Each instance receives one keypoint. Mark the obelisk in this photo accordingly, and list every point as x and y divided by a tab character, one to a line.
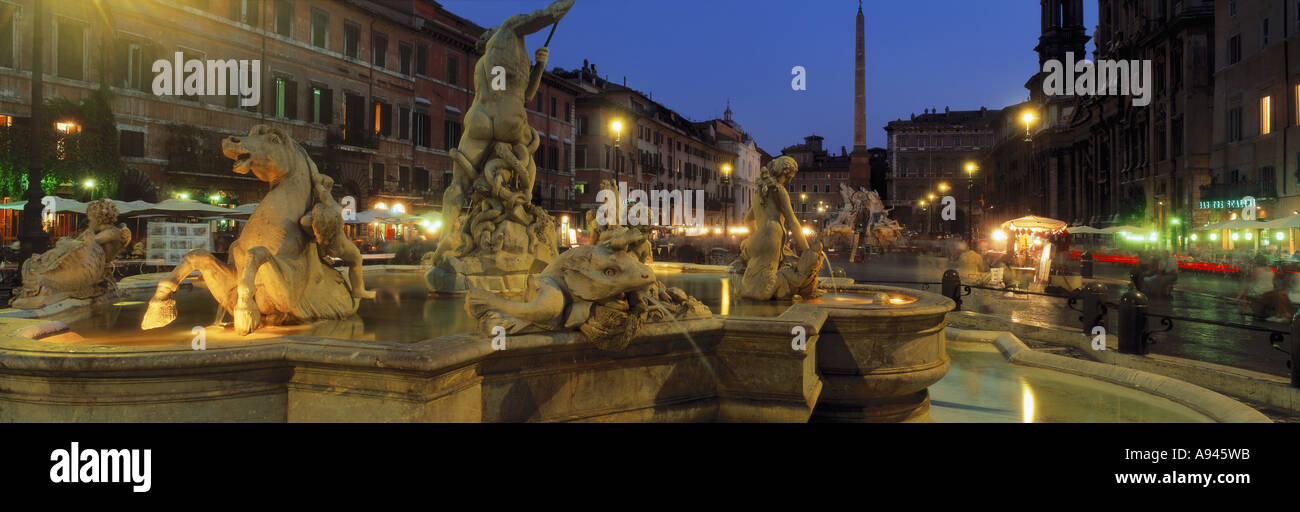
860	160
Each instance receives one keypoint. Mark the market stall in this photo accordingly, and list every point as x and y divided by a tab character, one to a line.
1030	246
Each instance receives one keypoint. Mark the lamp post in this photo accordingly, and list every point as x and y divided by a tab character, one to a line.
925	212
33	238
617	126
726	197
929	224
1028	117
970	193
803	203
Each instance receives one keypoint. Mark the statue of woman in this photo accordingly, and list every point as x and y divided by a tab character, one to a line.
771	269
77	267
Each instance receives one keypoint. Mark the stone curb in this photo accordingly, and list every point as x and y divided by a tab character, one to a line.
1218	407
1258	388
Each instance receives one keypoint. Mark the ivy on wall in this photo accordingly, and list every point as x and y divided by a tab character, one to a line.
68	159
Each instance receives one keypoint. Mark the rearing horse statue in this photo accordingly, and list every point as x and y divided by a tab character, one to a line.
275	273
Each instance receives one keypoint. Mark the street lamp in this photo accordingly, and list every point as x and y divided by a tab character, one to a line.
617	126
803	202
971	167
1028	118
89	184
726	194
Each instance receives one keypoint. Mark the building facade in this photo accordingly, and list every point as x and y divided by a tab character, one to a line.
1256	144
928	155
375	91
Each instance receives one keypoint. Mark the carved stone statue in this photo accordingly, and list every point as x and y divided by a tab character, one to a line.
77	267
503	237
771	269
604	290
276	273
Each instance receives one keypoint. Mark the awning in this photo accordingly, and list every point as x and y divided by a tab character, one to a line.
1083	230
1032	222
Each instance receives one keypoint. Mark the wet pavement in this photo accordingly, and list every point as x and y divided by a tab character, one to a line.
1198	296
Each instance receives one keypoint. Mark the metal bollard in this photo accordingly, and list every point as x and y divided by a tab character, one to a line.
1085	265
1133	323
1295	352
952	287
1094	309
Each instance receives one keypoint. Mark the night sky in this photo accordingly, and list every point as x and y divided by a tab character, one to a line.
694	55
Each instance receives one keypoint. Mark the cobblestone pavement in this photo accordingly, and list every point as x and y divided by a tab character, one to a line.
1207	297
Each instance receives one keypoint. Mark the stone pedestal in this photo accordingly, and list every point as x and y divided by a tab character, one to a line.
876	362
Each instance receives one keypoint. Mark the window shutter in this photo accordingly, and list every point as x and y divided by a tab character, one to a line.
404	123
327	106
290	99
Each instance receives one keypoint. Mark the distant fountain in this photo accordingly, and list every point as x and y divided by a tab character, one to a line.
863	207
770	268
77	267
503	238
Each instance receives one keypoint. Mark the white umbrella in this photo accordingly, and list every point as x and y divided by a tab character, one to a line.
1083	230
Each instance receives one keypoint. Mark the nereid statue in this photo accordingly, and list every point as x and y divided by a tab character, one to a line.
77	267
771	268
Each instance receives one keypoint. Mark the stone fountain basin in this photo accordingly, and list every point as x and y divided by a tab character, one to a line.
732	368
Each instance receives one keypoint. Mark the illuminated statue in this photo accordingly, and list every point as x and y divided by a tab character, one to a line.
76	267
503	237
771	269
277	273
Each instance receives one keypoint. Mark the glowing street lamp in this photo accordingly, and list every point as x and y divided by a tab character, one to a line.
1028	118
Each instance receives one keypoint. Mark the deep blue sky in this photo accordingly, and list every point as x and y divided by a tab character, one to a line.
694	55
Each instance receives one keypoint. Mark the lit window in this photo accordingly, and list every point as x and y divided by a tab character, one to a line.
6	121
1266	115
67	127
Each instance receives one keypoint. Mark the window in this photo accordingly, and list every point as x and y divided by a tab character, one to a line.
286	98
377	176
420	180
403	123
403	178
383	120
422	60
320	28
379	49
451	133
322	105
70	36
284	18
568	115
1234	49
354	116
453	70
582	126
1234	124
131	143
421	127
580	157
404	58
129	64
351	40
1232	7
554	111
244	11
8	35
1266	115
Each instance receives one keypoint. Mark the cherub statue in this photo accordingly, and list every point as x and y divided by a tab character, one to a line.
325	223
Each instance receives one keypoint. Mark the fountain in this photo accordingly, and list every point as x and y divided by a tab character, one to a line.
591	334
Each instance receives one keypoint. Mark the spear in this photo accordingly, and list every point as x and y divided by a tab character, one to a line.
548	36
